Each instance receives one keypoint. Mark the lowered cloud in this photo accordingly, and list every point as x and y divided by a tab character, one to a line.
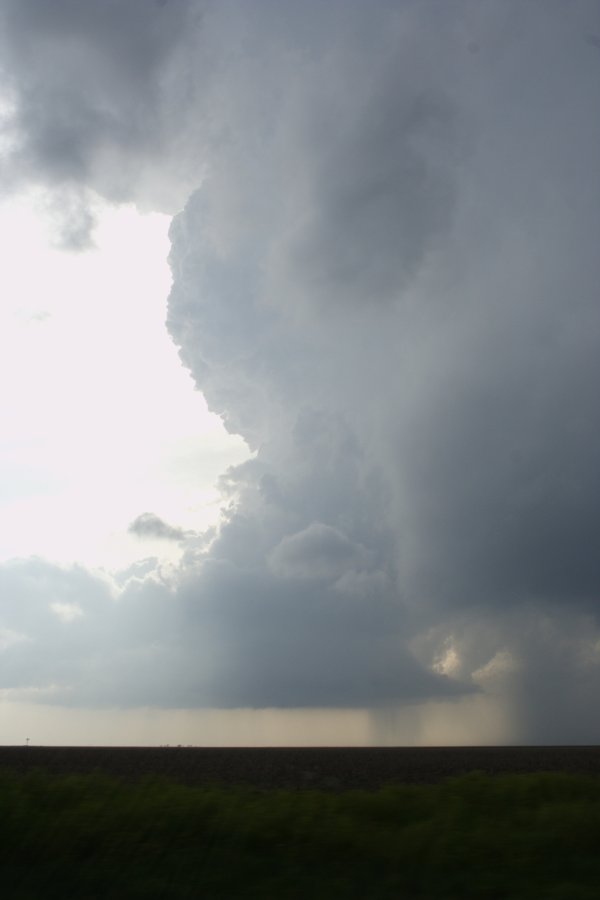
385	279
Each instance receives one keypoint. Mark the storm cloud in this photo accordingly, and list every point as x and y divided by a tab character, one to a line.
385	278
89	100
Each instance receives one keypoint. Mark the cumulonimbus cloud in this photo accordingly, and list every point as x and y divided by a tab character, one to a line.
385	278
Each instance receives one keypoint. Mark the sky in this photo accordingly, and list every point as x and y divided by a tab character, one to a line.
300	346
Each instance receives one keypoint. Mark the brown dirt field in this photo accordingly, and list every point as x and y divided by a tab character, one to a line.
334	768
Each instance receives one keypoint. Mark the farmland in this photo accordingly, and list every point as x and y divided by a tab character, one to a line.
225	823
288	767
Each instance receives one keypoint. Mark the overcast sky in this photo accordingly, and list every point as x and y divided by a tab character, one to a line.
364	235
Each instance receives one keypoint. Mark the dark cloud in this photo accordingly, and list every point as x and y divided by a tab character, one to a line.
318	552
149	525
375	190
176	640
385	279
55	622
91	97
410	337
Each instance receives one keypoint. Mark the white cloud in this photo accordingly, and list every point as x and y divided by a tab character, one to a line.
8	637
67	612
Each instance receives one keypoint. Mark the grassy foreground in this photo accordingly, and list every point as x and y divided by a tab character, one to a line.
517	837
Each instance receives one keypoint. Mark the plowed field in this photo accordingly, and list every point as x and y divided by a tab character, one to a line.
335	768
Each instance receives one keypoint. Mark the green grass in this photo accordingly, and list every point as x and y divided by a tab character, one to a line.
517	837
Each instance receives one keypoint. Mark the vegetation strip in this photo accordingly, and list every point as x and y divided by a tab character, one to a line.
515	836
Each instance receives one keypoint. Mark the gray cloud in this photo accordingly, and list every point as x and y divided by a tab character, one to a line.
149	525
410	336
93	101
385	279
375	190
318	552
57	620
71	213
74	638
